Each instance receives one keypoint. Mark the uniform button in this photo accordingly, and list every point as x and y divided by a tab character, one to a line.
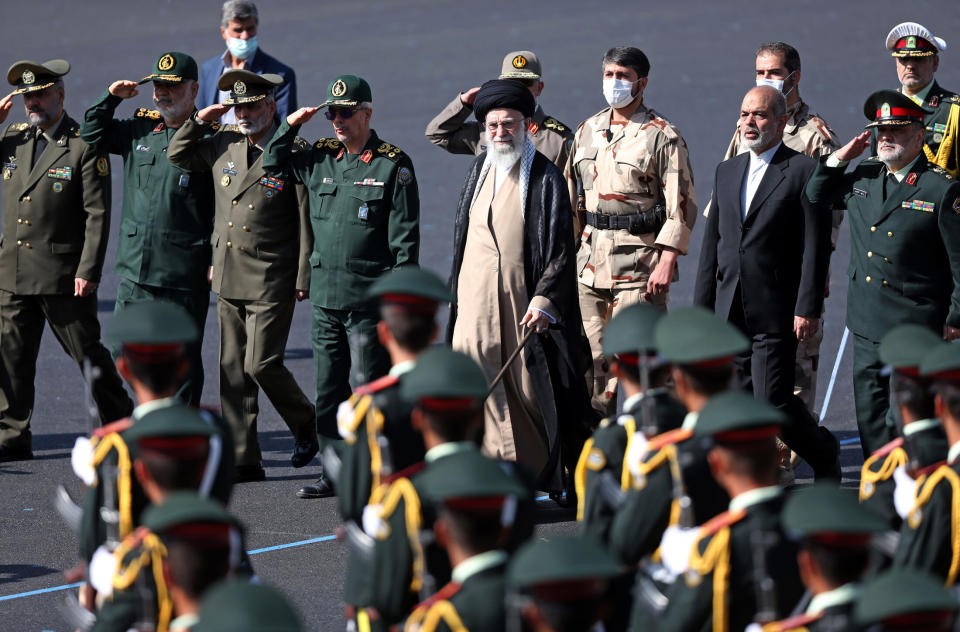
886	260
243	249
885	282
889	234
26	198
19	220
250	207
873	229
869	254
867	279
26	222
229	224
235	202
27	245
19	243
246	230
229	244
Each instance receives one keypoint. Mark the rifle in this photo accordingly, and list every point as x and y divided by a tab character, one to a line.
108	508
764	585
679	493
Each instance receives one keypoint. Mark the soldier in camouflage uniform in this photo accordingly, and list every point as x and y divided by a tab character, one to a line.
631	183
450	129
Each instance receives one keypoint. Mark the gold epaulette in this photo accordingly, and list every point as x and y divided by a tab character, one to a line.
955	98
428	620
145	113
926	484
715	559
19	127
392	152
389	497
114	441
229	127
328	144
893	456
300	143
151	551
793	624
552	123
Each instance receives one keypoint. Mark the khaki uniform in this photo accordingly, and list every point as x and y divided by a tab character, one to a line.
55	222
810	135
261	253
623	170
451	131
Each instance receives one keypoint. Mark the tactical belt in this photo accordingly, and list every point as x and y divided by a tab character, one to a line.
650	221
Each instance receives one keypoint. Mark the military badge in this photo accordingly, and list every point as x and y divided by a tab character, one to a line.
519	61
341	153
912	178
269	193
272	183
956	205
60	173
239	88
534	128
596	459
339	88
143	148
57	187
363	212
937	138
328	180
231	165
911	42
158	128
404	176
859	192
885	110
934	100
7	174
103	166
166	62
184	181
225	181
919	205
366	156
27	77
229	170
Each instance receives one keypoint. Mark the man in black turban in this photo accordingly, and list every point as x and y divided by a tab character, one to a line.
513	270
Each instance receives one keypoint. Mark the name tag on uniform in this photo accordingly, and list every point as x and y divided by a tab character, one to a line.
328	180
918	205
60	173
859	192
230	172
143	148
184	180
8	169
272	183
363	212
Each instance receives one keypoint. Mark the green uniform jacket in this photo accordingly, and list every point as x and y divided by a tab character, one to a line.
904	262
261	244
167	214
606	454
56	216
478	603
364	211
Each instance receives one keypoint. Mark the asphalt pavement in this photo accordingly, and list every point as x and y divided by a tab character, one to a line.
417	55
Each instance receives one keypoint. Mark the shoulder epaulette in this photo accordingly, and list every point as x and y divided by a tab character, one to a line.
552	123
429	619
377	385
887	449
229	127
117	426
793	623
392	152
940	171
930	469
300	143
328	144
668	438
451	589
955	98
19	127
145	113
726	519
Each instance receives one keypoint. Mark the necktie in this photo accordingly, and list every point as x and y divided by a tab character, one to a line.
889	181
253	152
39	146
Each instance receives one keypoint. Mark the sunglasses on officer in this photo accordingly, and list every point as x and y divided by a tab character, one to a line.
345	113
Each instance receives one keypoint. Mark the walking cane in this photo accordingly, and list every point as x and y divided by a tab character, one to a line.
513	356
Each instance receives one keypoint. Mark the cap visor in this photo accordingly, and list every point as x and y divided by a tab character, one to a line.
894	123
343	103
519	74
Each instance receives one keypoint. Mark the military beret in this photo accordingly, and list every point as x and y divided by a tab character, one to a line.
905	346
631	330
152	323
29	76
247	87
909	39
348	91
187	508
830	514
504	93
520	64
905	595
241	606
738	417
445	378
173	67
942	362
697	336
562	568
412	287
889	107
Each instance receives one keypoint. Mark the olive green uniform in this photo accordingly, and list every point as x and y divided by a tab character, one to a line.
55	223
364	219
260	251
163	250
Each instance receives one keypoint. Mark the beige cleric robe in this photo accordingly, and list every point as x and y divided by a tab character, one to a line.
491	302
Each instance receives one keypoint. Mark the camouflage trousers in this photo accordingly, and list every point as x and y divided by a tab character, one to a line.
597	307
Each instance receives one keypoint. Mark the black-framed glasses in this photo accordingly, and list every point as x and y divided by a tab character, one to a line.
345	113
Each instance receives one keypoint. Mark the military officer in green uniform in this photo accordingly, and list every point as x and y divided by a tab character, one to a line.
834	533
260	262
930	535
365	221
56	216
739	567
921	441
163	251
905	246
241	606
452	131
917	53
903	600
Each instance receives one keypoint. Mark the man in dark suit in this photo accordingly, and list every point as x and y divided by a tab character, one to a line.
239	21
763	266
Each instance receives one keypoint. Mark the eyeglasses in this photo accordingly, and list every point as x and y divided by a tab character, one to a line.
507	124
345	113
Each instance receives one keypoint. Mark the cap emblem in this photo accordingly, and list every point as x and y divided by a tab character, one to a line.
519	61
28	77
339	88
885	110
912	42
166	62
239	88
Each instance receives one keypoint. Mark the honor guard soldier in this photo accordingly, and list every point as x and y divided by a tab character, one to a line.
163	251
560	583
921	441
364	221
905	246
631	185
930	535
450	129
474	515
649	408
56	202
834	533
917	52
739	567
905	601
240	606
260	263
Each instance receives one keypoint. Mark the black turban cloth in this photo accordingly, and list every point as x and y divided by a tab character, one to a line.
504	93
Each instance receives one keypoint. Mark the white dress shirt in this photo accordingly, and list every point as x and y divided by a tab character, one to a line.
755	170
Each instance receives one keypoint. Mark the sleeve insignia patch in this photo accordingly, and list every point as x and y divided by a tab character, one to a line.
956	206
103	166
404	176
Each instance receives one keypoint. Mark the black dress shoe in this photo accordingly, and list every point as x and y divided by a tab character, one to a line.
321	489
11	453
303	452
248	474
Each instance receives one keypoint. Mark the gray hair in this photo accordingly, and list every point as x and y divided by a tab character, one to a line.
238	10
365	105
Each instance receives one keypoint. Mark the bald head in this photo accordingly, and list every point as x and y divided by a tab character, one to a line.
763	117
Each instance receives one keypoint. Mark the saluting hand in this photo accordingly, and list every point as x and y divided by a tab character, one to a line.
213	112
124	89
468	97
854	148
5	104
301	116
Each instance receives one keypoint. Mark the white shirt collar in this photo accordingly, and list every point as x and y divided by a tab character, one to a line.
446	449
152	405
919	426
764	157
754	497
902	172
954	453
476	564
838	596
690	420
400	368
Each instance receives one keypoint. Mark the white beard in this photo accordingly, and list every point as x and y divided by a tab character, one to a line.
504	156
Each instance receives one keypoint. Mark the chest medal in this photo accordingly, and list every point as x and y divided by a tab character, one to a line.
363	212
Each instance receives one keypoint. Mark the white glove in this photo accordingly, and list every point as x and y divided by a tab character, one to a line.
103	568
675	548
81	458
373	523
905	494
345	421
636	453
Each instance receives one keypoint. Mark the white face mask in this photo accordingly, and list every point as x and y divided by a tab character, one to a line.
240	48
618	92
777	84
